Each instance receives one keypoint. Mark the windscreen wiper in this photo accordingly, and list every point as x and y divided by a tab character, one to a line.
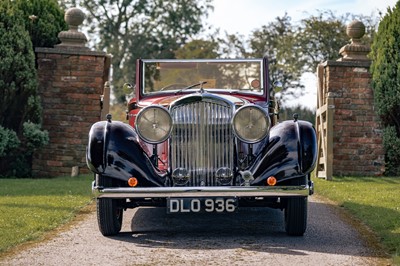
201	83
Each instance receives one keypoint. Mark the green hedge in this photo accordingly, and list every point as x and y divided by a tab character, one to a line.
385	69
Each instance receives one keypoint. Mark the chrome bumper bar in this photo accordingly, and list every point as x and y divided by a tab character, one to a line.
165	192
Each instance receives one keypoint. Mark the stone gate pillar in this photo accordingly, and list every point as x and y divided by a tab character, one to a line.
350	137
71	86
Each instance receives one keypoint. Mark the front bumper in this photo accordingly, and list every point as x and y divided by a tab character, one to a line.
165	192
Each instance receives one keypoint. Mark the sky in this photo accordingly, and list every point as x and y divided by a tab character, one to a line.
245	16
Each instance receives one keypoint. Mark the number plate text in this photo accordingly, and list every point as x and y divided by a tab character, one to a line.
182	205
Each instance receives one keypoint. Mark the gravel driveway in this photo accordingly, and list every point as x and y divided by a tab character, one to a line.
249	237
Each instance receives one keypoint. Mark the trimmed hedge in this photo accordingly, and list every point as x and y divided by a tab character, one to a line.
385	71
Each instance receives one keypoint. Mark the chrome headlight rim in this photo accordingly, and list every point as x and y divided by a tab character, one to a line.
139	124
262	114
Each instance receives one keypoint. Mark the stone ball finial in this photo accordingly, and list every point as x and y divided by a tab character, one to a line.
355	30
73	38
74	16
355	51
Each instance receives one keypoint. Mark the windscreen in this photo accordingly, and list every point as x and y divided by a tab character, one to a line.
179	75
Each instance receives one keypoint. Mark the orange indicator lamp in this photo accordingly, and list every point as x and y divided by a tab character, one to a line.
133	182
271	181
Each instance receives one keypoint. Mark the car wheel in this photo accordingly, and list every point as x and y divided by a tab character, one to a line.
109	211
296	216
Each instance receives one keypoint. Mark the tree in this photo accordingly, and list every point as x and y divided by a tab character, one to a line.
20	109
65	4
286	113
321	38
198	49
277	41
385	69
142	29
296	49
43	19
18	83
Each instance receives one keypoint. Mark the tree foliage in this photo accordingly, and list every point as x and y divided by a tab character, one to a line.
303	113
8	141
142	29
320	38
385	70
18	83
294	49
43	19
20	108
198	49
277	41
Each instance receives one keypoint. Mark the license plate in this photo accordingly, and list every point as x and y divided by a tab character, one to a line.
187	205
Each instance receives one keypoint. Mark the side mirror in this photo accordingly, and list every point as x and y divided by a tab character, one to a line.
129	91
128	88
277	86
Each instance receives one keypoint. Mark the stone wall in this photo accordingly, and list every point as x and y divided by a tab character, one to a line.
357	131
71	85
356	139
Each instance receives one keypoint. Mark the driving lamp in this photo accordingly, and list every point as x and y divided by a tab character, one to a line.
251	123
180	176
154	124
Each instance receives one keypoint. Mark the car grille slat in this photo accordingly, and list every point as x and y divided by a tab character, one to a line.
202	139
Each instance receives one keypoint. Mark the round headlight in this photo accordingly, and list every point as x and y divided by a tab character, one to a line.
154	124
251	123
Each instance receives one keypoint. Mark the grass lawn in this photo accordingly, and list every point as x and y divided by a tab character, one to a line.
373	200
30	207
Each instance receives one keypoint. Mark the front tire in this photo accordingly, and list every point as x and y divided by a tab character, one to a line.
296	216
109	211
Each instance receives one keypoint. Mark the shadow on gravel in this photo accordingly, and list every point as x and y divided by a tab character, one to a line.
257	229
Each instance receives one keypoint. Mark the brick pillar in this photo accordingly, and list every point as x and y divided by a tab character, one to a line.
71	83
357	131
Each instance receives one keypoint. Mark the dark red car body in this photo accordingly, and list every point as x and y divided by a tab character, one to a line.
211	144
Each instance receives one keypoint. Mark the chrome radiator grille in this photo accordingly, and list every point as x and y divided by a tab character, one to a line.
202	139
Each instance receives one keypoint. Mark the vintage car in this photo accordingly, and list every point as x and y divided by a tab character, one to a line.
202	137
